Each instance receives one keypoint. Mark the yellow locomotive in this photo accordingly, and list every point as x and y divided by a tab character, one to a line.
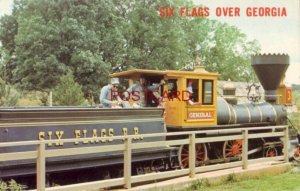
210	111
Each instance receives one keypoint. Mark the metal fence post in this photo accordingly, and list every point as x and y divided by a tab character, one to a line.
127	163
40	167
245	149
192	154
286	144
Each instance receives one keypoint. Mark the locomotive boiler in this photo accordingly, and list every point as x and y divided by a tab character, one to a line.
210	112
270	70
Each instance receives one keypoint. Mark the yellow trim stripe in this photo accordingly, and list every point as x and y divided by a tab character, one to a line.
72	111
41	118
79	122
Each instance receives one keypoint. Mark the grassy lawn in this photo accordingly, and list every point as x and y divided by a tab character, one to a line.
283	182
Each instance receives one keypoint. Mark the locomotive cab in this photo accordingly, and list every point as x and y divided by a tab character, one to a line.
189	97
151	76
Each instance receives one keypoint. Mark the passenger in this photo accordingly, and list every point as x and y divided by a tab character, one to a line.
109	97
140	89
191	92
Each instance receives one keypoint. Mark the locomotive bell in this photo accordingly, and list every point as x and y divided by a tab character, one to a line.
270	69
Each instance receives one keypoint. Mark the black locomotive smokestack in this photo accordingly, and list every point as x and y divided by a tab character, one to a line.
270	70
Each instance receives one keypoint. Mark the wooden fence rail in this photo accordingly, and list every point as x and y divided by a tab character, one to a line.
42	153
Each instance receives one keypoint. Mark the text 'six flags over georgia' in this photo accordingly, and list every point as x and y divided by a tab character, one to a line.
223	12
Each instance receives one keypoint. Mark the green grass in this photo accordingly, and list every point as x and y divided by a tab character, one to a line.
283	182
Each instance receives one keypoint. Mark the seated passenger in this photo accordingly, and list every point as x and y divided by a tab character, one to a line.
139	90
191	92
109	97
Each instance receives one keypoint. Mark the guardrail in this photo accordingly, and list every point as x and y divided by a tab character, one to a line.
127	180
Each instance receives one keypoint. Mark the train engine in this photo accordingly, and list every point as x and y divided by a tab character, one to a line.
191	103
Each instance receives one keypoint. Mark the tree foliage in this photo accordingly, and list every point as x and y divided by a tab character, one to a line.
68	92
92	38
228	52
150	41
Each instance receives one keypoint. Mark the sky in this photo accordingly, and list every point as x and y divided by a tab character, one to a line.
5	7
275	34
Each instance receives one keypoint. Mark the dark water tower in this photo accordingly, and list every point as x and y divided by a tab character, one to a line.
270	69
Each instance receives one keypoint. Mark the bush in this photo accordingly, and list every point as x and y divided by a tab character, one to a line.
199	184
32	98
296	99
294	114
68	92
8	95
11	186
294	119
231	178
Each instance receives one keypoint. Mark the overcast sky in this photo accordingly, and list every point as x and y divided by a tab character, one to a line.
5	7
275	34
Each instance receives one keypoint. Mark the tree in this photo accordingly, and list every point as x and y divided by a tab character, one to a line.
151	41
65	35
9	28
46	39
68	92
8	31
154	42
229	52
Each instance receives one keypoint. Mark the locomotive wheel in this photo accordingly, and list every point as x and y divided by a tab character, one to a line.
200	156
296	154
271	152
232	148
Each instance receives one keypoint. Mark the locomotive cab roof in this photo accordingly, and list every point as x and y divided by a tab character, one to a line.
136	73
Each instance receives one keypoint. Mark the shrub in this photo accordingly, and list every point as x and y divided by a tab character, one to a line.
12	185
68	92
8	95
231	178
199	184
32	98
